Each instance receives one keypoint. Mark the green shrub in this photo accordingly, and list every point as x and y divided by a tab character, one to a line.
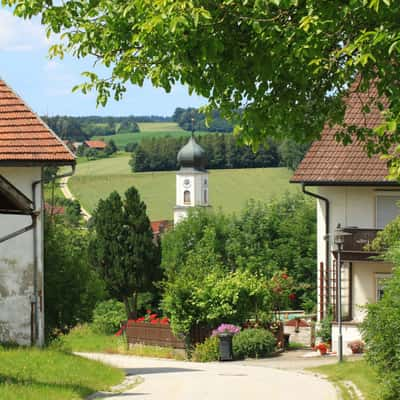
380	333
325	328
207	351
108	315
253	343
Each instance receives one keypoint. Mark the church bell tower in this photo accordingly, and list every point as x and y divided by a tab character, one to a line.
191	179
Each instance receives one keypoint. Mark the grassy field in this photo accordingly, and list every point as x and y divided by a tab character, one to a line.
82	338
33	374
358	372
229	189
147	130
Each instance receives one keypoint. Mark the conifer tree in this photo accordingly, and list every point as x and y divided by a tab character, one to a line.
122	248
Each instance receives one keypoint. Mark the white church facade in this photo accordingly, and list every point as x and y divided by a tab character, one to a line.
191	180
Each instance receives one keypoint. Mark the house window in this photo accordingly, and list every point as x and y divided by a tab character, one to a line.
387	209
205	197
381	282
186	197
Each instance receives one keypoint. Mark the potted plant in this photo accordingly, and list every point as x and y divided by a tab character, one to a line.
356	346
322	347
225	333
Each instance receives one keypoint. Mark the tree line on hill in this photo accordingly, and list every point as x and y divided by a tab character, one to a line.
223	152
83	128
192	118
79	129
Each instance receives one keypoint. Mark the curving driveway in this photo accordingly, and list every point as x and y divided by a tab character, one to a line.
178	380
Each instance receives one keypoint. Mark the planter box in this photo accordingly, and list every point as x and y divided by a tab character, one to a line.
161	335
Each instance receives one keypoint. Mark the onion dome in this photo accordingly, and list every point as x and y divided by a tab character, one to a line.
192	155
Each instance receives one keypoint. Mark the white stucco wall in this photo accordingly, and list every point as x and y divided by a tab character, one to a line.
364	285
17	261
351	207
196	183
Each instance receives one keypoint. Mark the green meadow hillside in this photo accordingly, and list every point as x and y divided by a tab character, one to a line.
148	130
229	189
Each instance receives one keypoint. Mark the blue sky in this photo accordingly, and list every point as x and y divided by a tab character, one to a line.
46	84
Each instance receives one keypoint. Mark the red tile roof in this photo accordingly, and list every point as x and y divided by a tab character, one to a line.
328	162
161	226
96	144
24	137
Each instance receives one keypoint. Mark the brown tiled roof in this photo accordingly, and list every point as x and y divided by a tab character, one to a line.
96	144
24	137
328	162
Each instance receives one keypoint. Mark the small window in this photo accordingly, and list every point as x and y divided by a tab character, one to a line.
386	210
205	197
381	282
186	197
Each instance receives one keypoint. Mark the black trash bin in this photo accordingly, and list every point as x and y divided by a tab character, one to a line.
225	347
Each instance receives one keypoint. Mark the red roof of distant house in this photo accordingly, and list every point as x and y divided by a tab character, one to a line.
24	137
54	210
160	226
328	162
96	144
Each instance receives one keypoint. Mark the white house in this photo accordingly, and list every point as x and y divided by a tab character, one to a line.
351	190
191	180
27	145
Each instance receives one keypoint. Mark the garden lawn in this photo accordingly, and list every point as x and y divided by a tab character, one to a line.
83	339
230	189
33	374
148	130
358	372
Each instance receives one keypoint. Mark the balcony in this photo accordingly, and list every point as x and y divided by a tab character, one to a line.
355	244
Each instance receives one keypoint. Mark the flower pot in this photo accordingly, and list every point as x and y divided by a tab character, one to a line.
225	347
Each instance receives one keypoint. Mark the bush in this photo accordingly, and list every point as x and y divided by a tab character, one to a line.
207	351
108	315
380	333
325	328
253	343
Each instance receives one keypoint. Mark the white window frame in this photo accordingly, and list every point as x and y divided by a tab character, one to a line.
382	193
380	276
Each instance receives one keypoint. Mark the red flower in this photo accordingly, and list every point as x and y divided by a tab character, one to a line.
155	321
141	319
285	276
164	321
292	296
153	316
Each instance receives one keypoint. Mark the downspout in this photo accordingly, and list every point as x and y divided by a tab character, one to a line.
327	230
34	301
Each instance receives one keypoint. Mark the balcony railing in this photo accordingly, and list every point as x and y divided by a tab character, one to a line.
359	239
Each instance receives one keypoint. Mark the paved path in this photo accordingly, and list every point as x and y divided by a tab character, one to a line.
68	195
297	360
178	380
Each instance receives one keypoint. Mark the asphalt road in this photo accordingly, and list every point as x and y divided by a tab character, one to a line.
177	380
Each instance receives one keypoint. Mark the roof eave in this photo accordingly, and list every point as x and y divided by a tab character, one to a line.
346	183
36	163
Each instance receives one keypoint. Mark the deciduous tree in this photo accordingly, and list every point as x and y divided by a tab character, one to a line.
286	63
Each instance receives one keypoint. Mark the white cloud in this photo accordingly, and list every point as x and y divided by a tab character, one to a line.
19	35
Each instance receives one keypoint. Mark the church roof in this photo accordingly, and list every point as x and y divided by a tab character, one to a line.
192	155
328	162
24	137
